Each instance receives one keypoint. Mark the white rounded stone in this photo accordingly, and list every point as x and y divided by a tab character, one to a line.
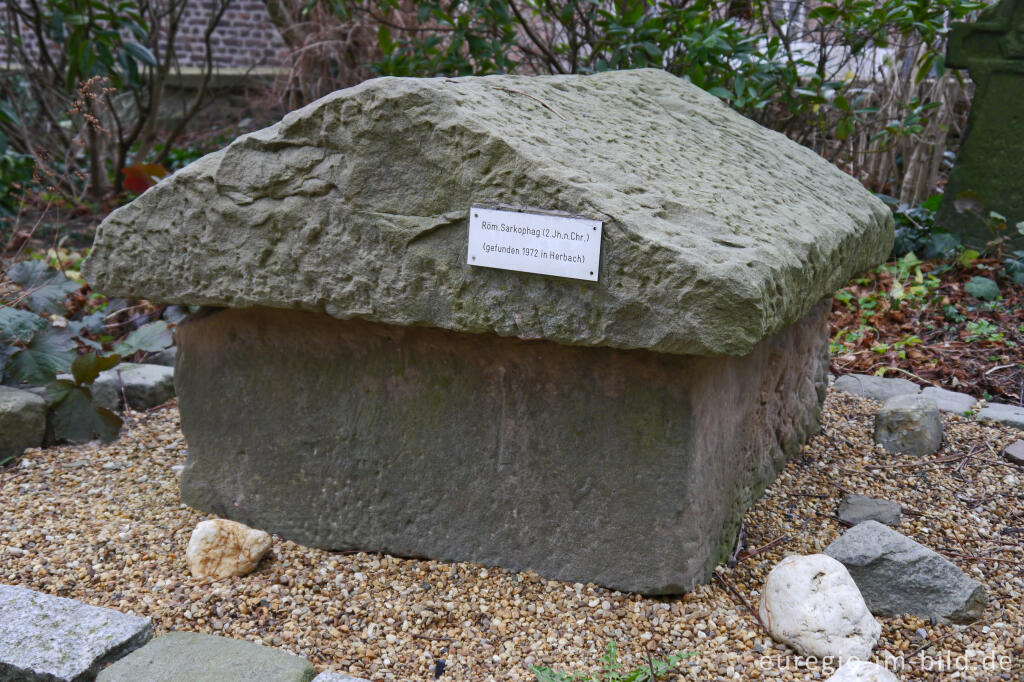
812	604
221	549
862	671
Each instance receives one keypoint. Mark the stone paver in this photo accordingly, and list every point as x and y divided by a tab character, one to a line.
876	388
191	657
950	401
856	509
1014	452
1011	415
51	639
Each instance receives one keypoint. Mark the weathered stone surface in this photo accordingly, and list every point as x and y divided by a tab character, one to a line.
190	657
1014	452
1010	415
812	604
899	576
22	421
876	388
145	386
424	442
337	677
854	509
909	425
990	161
862	671
164	357
949	401
51	639
721	234
220	549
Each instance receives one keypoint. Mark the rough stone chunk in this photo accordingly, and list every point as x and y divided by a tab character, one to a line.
51	639
854	509
876	388
949	401
812	604
1010	415
862	671
221	549
337	677
1014	452
909	425
145	386
899	576
22	421
190	657
339	209
164	357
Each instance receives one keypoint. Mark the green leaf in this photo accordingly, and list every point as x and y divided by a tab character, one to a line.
46	288
8	114
387	46
19	325
50	353
968	257
152	338
87	367
76	419
982	288
141	53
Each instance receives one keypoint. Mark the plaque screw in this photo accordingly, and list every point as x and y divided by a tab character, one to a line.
477	215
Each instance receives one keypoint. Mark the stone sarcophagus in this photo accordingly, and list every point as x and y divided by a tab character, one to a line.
378	367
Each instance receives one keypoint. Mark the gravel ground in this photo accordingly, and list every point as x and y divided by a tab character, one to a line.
103	524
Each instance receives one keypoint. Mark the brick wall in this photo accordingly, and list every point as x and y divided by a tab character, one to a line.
244	38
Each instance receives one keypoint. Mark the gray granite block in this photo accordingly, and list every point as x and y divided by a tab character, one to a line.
897	576
49	639
145	386
22	421
191	657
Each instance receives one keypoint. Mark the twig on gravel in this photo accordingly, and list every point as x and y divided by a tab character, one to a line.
970	557
933	642
432	638
732	590
754	552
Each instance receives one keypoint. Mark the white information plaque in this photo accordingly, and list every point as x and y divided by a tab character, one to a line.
534	242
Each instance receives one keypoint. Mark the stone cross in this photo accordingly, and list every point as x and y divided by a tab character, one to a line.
990	163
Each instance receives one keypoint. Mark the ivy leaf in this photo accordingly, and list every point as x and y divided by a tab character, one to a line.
45	287
75	418
48	354
87	367
152	338
19	325
982	288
